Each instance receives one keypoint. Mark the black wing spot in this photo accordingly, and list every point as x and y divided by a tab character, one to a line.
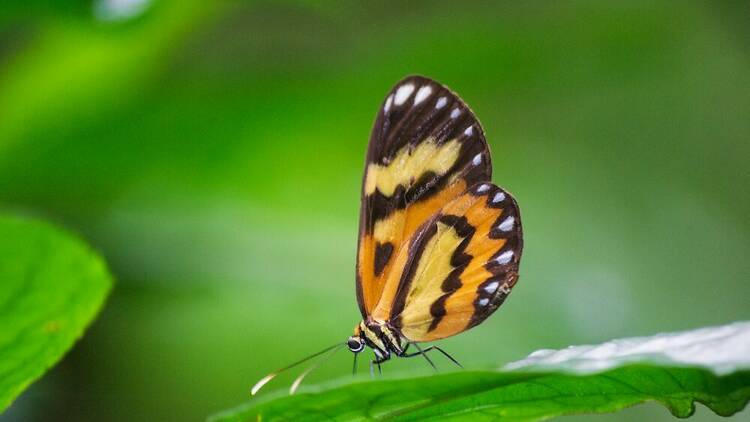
383	253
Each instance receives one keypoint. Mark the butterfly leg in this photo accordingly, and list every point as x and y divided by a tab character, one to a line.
444	354
421	352
424	353
373	363
377	361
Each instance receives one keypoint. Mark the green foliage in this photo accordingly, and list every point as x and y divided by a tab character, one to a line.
51	287
575	380
511	395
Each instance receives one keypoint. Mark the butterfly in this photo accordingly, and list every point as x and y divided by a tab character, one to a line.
439	244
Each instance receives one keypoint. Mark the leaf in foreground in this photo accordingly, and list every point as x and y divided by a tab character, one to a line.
709	366
51	287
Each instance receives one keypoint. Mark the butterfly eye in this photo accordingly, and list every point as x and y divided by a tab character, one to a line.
355	344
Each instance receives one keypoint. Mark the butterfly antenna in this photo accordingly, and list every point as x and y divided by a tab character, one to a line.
302	376
354	368
263	381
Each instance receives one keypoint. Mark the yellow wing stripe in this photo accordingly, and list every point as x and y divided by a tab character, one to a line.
410	163
426	287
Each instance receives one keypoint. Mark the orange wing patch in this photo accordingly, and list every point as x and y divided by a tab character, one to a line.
376	250
460	267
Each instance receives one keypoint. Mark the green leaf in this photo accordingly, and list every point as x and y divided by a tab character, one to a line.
710	366
51	287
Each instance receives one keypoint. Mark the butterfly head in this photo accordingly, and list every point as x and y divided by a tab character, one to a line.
356	344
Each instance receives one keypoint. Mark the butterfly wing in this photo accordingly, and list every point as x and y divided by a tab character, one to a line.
460	266
425	149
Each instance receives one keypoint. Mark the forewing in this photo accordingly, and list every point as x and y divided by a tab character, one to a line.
460	266
425	149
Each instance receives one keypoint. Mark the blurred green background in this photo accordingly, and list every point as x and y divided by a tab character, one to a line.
213	153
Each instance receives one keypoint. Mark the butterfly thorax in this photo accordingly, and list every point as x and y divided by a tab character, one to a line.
380	337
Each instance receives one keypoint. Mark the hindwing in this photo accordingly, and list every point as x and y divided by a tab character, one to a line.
459	267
